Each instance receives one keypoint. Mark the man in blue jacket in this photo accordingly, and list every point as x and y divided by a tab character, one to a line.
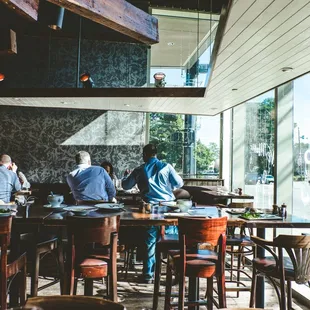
90	182
9	182
156	181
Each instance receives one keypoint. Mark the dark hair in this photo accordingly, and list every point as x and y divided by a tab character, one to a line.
150	150
107	163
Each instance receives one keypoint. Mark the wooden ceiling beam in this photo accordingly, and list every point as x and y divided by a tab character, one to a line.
26	8
118	15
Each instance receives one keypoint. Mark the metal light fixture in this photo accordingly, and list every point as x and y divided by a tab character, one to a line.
2	77
287	69
50	14
160	79
87	81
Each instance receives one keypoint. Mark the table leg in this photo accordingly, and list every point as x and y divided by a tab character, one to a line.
260	286
193	291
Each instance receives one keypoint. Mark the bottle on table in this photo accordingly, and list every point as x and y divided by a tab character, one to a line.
283	210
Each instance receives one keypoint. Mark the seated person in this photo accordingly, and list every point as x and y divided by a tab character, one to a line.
109	169
9	182
90	182
23	180
156	181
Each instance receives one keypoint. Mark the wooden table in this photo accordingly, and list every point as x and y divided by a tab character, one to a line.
132	217
134	196
227	195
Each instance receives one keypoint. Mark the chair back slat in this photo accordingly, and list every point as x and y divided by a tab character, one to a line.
93	230
202	231
298	249
5	229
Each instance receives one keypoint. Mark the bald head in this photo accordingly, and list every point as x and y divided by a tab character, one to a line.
82	157
5	160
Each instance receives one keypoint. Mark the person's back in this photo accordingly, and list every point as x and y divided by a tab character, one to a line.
9	181
161	181
156	180
90	182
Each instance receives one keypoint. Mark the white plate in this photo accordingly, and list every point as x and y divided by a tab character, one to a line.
110	206
55	209
80	210
5	214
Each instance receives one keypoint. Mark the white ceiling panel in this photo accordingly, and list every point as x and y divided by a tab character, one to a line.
277	36
240	8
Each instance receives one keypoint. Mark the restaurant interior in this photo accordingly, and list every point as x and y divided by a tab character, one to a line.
221	88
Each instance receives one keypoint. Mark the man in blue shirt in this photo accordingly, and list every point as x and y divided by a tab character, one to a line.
156	181
9	181
90	182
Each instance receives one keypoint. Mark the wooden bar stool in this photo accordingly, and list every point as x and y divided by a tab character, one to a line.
238	245
165	243
190	261
11	267
72	303
83	261
37	244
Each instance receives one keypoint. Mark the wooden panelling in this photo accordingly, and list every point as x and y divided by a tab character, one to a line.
118	15
26	8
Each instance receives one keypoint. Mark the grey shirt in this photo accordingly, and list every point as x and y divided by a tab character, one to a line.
9	183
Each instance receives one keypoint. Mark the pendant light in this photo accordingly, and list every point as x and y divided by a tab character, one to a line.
50	14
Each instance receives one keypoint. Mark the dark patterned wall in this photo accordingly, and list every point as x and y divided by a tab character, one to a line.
42	63
43	142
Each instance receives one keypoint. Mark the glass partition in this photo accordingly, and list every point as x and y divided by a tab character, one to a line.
183	53
111	59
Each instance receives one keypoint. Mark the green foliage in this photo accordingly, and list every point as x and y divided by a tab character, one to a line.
260	129
162	127
165	129
205	155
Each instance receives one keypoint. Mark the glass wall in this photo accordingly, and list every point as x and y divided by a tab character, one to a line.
301	147
253	148
174	139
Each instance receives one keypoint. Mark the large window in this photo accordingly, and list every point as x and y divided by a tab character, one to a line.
189	143
301	147
253	148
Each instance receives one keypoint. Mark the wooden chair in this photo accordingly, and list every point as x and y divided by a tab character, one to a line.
85	261
37	244
295	267
192	262
72	303
10	267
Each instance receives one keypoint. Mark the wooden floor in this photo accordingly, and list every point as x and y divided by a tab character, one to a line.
137	296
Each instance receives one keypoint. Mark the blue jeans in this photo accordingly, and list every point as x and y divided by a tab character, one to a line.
151	238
